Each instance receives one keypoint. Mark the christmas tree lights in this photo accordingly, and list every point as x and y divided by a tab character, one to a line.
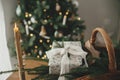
43	21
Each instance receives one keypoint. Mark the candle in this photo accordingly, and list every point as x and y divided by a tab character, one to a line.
64	19
27	30
19	52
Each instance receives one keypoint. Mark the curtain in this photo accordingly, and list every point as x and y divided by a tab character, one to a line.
4	53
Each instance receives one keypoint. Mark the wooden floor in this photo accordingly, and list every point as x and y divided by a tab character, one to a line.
28	64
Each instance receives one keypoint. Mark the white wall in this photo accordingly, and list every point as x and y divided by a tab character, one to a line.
7	11
9	7
4	53
99	13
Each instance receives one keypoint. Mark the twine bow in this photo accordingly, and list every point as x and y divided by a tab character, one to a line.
65	61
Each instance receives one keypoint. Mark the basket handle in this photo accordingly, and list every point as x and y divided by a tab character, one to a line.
109	47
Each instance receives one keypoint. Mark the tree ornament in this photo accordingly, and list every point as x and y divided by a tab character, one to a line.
35	51
26	14
57	7
45	21
33	19
58	34
43	31
24	21
40	52
18	10
31	28
72	17
75	2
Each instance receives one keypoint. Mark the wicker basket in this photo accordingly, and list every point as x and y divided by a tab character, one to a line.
113	73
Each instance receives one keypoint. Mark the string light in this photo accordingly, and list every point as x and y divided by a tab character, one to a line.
31	34
43	58
48	41
45	20
44	10
41	40
50	46
78	18
38	56
60	13
26	14
29	54
67	13
21	40
30	15
36	46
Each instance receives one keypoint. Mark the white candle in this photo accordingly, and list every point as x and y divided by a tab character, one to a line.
64	19
27	30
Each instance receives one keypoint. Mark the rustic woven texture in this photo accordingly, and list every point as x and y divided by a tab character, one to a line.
113	73
109	47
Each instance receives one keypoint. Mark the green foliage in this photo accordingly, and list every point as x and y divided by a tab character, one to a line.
47	77
117	53
100	66
37	13
11	46
76	72
43	72
31	41
39	70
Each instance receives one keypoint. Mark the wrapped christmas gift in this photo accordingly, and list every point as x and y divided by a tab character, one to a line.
63	59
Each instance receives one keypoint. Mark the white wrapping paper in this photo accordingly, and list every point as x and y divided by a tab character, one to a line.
74	49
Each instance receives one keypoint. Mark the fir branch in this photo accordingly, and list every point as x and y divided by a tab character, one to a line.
34	58
76	72
2	72
39	70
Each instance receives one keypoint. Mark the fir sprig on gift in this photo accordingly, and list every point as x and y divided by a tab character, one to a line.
100	66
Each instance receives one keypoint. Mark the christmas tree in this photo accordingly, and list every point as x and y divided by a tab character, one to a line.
43	21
